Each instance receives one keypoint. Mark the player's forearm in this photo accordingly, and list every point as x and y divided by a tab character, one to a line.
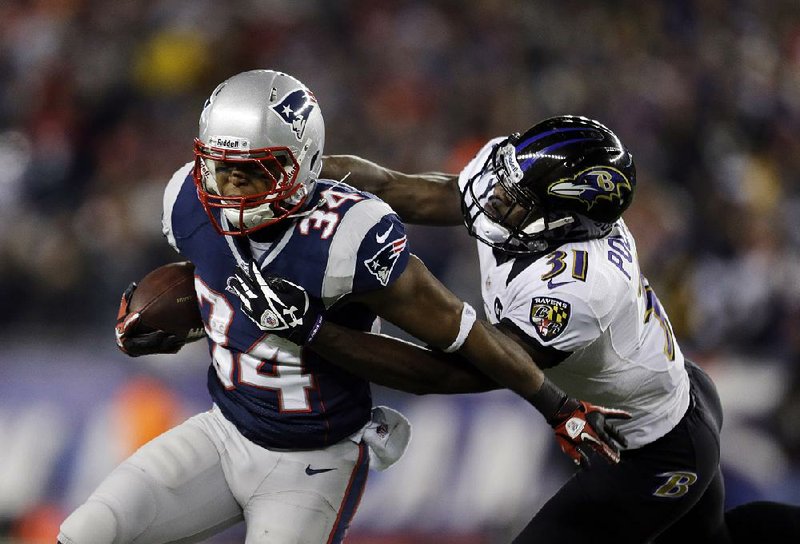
503	360
429	198
397	364
360	173
509	364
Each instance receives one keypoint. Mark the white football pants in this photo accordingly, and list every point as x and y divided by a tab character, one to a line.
203	476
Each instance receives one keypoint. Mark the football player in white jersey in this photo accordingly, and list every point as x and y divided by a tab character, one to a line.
560	276
289	436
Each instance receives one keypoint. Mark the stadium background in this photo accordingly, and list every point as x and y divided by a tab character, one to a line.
99	103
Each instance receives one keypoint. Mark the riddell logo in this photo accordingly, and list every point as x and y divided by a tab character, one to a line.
511	164
230	142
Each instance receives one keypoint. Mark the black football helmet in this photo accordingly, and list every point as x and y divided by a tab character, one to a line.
566	179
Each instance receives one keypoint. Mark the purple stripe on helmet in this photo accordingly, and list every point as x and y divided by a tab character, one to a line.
522	145
528	162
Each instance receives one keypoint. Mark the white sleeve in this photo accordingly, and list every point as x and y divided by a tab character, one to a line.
170	196
558	320
566	317
348	239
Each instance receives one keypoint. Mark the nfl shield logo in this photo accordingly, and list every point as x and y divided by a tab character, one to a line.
549	316
294	109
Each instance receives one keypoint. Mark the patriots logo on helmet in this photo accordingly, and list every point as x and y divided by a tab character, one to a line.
382	263
593	185
549	316
295	108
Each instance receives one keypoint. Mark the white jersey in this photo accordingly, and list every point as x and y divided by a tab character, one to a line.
590	299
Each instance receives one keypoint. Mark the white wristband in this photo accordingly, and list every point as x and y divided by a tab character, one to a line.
467	321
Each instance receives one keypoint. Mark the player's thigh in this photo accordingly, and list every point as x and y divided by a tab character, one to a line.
310	497
173	488
704	522
637	499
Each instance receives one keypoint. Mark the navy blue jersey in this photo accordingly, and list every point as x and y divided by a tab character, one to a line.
276	393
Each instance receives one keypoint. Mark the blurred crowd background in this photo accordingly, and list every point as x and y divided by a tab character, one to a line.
99	103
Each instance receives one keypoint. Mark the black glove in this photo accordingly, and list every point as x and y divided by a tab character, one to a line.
581	426
135	339
276	305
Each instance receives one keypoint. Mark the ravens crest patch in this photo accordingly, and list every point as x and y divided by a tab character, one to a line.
549	316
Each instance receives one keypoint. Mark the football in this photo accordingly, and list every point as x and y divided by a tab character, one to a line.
166	300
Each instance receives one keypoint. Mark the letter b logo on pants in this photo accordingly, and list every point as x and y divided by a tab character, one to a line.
677	484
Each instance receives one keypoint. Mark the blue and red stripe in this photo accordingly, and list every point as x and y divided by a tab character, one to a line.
352	496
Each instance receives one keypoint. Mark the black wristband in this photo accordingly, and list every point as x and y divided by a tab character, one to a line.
549	400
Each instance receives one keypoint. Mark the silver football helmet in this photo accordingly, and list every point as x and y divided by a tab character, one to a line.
266	123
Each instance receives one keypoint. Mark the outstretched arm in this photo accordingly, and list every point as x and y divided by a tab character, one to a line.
430	198
398	364
423	307
418	303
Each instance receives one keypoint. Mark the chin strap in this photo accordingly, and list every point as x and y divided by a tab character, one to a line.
535	227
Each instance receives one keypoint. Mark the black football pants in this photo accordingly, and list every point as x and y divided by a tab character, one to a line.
670	490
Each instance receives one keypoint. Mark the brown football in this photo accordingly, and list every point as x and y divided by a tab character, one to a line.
167	301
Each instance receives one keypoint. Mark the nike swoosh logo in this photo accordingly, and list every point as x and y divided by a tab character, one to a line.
311	471
381	238
552	285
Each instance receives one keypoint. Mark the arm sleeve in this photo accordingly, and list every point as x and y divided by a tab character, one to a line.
171	193
369	251
558	320
382	255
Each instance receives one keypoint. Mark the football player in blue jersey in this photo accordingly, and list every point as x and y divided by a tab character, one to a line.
289	437
560	277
